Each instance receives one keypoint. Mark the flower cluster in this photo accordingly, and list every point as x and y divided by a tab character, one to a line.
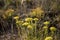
8	13
25	24
48	38
28	22
38	12
28	19
35	19
53	28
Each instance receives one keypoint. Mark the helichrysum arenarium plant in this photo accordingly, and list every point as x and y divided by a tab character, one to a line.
37	12
29	28
8	13
17	24
53	30
49	38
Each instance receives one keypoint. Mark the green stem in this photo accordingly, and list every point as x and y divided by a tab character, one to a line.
52	33
18	31
35	28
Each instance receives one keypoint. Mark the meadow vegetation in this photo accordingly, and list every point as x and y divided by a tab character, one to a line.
29	20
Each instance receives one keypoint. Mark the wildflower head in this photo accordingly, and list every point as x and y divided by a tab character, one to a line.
45	27
35	19
9	12
25	24
53	28
48	38
28	19
38	12
29	26
19	22
16	17
46	22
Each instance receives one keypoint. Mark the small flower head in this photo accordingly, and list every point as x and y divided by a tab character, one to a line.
48	38
47	22
45	27
9	12
25	24
35	19
19	22
29	26
28	19
52	28
38	12
16	17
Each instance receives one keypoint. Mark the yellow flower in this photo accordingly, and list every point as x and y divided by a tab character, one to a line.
47	22
45	27
25	24
53	28
19	22
29	26
38	12
48	38
9	12
28	19
36	19
16	17
33	13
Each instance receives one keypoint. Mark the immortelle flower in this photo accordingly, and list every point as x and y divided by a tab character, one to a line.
35	19
9	12
28	19
45	27
53	28
19	22
38	12
48	38
29	26
16	17
46	22
25	24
